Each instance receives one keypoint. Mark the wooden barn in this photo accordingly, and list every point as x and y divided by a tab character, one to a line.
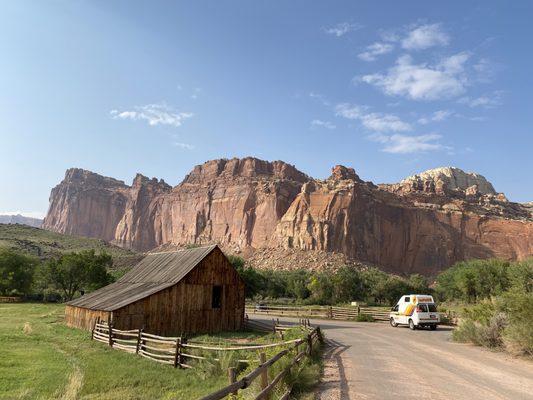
188	291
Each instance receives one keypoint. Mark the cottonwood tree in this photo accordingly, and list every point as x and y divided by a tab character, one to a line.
75	272
16	272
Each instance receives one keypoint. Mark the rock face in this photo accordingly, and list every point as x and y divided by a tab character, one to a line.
423	224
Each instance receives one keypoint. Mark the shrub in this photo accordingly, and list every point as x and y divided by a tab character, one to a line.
365	318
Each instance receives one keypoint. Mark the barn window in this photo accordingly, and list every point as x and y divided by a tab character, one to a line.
216	300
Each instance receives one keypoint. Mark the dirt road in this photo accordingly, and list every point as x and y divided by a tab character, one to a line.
376	361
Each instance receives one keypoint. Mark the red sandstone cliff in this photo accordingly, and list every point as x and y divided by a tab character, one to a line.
423	224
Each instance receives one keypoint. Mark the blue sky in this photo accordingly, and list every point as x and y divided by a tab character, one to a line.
390	88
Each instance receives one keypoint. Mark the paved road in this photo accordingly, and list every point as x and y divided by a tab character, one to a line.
376	361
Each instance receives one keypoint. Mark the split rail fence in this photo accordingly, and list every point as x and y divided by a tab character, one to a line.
327	312
301	347
177	351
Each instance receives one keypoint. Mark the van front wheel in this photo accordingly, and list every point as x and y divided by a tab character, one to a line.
393	323
412	325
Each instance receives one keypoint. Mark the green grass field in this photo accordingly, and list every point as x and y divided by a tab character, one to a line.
44	244
41	358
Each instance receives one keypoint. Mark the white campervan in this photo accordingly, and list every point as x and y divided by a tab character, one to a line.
415	310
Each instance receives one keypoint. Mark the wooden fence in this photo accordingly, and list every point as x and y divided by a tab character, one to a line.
177	350
10	299
302	348
327	312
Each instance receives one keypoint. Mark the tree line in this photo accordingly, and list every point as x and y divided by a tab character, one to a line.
341	286
59	278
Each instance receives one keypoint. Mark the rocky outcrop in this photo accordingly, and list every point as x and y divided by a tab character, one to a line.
371	225
423	224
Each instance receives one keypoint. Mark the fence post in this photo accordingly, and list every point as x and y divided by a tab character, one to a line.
183	341
358	310
232	377
110	331
177	357
309	344
264	374
138	341
94	327
330	311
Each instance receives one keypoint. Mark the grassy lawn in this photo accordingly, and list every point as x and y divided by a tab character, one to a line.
41	358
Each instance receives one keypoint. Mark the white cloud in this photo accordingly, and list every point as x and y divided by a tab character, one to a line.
486	70
185	146
437	116
377	122
154	114
384	123
423	82
425	36
320	98
196	93
350	111
374	50
317	123
405	144
486	101
342	28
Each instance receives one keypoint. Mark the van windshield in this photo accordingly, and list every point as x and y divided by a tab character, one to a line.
422	308
432	308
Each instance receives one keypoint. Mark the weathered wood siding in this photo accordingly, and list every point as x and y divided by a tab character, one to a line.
184	307
78	317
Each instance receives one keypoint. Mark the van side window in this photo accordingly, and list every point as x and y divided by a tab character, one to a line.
407	299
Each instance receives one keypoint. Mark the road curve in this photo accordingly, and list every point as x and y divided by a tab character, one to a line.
376	361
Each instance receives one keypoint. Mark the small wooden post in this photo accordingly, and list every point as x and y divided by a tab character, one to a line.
139	334
319	334
309	344
232	377
183	341
264	373
358	310
110	331
177	357
308	323
281	334
94	327
330	312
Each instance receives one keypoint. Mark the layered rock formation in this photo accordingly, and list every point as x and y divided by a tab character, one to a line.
423	224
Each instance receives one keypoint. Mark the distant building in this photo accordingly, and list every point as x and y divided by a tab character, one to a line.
188	291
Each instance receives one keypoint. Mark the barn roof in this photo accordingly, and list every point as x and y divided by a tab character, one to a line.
155	272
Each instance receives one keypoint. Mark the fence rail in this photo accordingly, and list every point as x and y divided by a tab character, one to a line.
327	312
336	313
262	370
175	350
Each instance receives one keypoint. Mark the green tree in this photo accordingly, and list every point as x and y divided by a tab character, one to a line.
76	272
347	285
16	272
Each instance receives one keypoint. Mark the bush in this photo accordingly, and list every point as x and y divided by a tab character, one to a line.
365	318
505	322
